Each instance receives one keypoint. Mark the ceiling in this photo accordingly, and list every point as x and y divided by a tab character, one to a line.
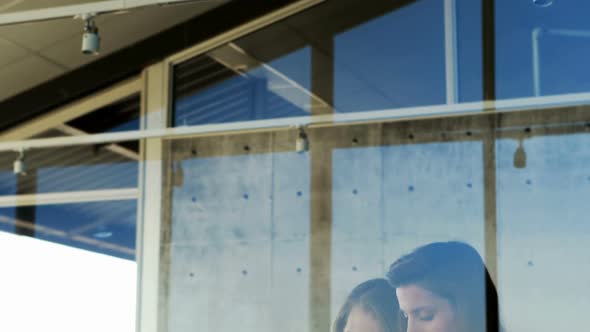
33	53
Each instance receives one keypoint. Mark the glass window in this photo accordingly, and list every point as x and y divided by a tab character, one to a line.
68	218
342	56
255	219
77	168
68	228
541	48
239	232
106	227
542	225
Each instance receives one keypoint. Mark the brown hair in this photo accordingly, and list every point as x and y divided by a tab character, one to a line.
456	272
376	297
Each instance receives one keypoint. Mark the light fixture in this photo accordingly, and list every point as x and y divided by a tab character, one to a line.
90	38
19	167
520	155
102	233
302	142
543	3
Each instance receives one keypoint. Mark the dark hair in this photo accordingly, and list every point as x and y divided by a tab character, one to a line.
376	297
456	272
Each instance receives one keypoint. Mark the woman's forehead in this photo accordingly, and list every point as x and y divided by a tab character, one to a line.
413	297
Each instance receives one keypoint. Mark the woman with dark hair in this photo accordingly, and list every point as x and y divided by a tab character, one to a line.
370	307
445	287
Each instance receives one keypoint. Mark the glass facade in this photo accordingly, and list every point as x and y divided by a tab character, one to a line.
68	227
258	221
245	216
382	166
336	57
540	47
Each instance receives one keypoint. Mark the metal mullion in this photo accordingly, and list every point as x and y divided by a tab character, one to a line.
489	139
155	115
321	215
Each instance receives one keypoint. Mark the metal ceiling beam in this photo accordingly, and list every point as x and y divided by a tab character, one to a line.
97	7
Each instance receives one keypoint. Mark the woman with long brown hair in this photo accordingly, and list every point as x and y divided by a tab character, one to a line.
445	287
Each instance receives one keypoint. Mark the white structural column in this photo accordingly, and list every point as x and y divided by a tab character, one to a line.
536	71
451	68
154	116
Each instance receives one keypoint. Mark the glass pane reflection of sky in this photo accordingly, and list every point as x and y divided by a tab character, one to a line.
543	230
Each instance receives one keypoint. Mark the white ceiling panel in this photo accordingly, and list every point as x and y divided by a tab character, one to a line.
32	53
39	35
9	52
26	73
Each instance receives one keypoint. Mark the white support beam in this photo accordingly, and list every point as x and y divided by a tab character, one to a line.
536	69
155	112
401	114
69	197
451	63
98	7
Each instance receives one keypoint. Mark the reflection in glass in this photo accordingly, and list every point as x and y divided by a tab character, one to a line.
445	287
370	307
244	216
340	56
77	168
543	228
390	199
239	237
404	67
107	227
243	224
541	48
228	84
